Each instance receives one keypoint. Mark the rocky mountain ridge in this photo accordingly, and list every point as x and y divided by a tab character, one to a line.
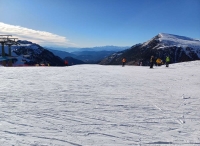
28	53
179	48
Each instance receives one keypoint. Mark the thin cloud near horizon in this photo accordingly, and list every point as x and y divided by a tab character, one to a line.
42	38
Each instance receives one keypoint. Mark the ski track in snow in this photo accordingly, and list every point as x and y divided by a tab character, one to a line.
100	105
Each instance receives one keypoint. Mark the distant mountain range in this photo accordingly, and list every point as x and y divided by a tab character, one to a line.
96	49
178	48
88	55
28	53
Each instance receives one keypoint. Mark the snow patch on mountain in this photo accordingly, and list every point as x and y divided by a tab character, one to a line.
170	40
29	45
165	41
179	41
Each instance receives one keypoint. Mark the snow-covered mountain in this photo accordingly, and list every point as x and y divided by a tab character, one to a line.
179	48
170	40
30	54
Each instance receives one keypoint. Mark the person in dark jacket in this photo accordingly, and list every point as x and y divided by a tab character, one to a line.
123	61
151	61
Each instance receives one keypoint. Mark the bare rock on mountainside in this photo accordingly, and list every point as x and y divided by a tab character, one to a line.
178	48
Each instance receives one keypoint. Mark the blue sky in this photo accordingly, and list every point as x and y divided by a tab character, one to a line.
90	23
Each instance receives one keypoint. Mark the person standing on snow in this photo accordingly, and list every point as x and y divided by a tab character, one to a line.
167	61
66	63
151	61
158	62
123	62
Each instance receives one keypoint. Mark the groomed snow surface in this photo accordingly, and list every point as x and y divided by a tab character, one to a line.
93	105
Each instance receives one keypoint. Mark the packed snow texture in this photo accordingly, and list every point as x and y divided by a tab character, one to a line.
93	105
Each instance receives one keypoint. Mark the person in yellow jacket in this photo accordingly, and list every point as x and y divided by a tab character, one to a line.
159	62
123	62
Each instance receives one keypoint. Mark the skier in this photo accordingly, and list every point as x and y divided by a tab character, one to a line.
123	62
151	61
167	61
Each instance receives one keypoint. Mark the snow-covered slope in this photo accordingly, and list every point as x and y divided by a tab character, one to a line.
94	105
